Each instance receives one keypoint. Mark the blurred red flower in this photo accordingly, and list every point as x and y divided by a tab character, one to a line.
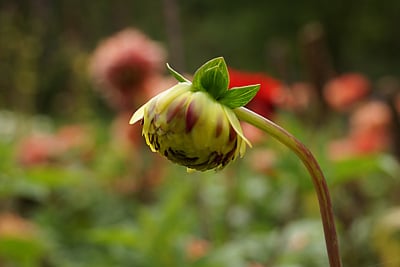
270	90
345	90
122	64
263	103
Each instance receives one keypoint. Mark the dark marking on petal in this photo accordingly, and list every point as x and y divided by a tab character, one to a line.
215	159
219	128
191	117
202	166
156	143
230	155
232	134
218	158
180	156
174	110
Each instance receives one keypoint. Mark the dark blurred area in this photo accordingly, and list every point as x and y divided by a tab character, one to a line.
44	44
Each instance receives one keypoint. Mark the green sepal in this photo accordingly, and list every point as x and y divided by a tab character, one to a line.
239	96
212	77
177	75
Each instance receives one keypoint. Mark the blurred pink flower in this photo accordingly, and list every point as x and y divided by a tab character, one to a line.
122	64
370	131
74	137
297	97
370	126
38	149
125	137
342	92
262	160
42	148
197	248
126	141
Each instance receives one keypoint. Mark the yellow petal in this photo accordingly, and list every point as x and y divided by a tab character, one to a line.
170	95
189	170
235	124
138	115
242	148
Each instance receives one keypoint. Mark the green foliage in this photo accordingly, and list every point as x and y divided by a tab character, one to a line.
242	215
45	48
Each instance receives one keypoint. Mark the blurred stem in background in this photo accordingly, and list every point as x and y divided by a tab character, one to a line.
174	33
315	171
318	64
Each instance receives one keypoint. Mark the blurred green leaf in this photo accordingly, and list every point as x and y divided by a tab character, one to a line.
352	168
21	252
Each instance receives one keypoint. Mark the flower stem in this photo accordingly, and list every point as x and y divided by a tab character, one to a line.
318	179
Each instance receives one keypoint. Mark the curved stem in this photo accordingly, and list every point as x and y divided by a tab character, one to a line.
318	179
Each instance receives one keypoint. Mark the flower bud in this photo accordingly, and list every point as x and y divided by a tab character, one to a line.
191	128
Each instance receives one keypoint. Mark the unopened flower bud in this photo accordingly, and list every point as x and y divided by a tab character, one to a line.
192	127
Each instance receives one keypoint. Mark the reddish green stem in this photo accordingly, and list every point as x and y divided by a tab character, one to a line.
318	179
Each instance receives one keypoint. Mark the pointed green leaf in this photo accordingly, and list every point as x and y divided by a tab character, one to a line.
176	74
212	77
239	96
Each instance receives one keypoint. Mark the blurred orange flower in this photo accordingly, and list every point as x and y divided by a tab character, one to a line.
255	264
13	225
122	64
197	248
370	131
370	126
345	90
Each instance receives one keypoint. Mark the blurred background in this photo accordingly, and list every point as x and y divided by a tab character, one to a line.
79	187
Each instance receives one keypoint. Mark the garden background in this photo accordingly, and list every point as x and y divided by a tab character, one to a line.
79	187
